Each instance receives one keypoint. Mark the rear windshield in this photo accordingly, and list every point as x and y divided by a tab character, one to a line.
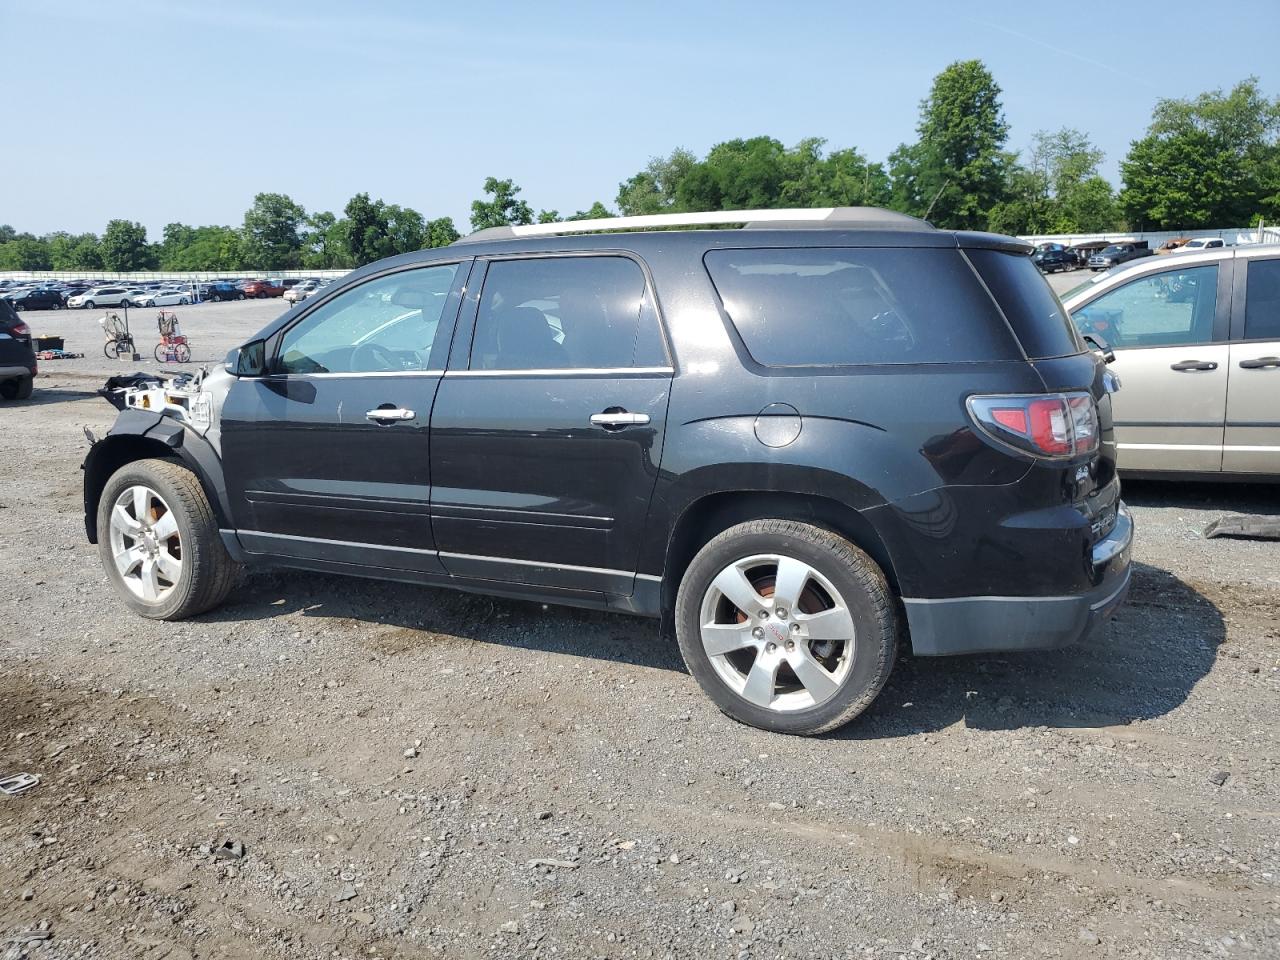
837	306
1032	308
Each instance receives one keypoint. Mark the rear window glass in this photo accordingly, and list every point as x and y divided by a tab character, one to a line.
826	306
1029	304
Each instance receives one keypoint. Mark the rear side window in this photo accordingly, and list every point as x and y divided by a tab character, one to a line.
1029	304
1262	301
839	306
566	313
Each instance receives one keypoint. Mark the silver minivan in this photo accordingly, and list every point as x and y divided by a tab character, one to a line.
1197	344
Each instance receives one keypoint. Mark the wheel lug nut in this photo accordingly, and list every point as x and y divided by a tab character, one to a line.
758	633
791	644
782	613
795	628
769	648
764	614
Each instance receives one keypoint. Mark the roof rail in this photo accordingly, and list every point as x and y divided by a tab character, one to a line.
798	218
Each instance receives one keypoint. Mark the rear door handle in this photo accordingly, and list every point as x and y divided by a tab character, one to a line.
389	414
1260	362
616	420
1194	365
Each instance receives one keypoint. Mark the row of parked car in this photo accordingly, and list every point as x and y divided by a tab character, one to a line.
85	294
1099	255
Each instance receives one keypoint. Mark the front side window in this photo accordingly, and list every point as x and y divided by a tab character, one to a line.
385	325
566	313
1167	309
1262	301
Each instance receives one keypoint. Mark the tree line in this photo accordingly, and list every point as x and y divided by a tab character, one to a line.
1209	161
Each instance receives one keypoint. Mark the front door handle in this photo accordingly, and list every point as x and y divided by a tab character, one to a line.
617	419
388	415
1260	362
1194	365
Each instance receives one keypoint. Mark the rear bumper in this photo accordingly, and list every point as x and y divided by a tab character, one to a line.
958	625
8	371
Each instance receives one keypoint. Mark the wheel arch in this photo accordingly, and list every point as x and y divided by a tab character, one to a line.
713	513
163	440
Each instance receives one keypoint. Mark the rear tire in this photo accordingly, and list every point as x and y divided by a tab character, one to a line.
18	388
192	570
89	305
803	662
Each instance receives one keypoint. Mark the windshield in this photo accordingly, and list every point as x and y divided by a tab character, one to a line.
1111	249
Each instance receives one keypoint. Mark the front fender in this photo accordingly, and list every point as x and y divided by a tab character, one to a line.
139	435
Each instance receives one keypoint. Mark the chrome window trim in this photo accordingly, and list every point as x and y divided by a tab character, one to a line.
348	375
564	372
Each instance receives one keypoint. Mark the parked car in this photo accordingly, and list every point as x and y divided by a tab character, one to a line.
222	290
17	357
105	296
262	289
41	298
160	298
301	291
1118	253
1170	245
781	440
1202	243
1197	345
1053	257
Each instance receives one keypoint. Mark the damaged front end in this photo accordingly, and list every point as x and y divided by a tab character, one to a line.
162	416
192	399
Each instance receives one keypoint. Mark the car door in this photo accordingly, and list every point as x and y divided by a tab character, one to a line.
547	431
1168	330
1252	443
326	457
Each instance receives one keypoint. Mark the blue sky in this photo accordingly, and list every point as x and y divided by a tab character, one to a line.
163	110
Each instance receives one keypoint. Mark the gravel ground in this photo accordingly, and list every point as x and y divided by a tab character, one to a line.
416	773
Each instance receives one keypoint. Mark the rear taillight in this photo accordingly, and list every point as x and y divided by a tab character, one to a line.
1054	426
21	329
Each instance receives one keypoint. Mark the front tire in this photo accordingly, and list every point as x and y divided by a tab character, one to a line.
159	542
786	626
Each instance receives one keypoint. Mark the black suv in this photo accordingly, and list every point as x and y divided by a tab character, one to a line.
1054	256
17	357
797	442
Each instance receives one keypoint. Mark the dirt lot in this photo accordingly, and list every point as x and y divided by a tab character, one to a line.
416	773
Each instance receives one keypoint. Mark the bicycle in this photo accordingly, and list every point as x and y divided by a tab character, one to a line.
119	339
173	346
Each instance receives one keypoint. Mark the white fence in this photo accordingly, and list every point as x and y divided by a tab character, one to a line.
1232	235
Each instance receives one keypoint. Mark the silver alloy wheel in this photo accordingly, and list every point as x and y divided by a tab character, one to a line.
145	543
777	632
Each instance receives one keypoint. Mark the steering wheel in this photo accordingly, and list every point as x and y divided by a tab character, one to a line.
373	358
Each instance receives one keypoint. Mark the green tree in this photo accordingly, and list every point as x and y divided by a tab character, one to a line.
597	211
271	232
1058	190
502	209
956	173
1213	160
124	247
208	248
25	252
441	232
654	189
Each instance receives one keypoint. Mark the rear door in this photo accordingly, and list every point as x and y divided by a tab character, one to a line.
327	458
1168	330
1252	442
547	431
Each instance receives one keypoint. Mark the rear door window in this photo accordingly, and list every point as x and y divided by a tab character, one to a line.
841	306
566	313
1029	304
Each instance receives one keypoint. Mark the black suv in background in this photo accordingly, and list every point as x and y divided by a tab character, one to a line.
221	290
797	442
1054	256
17	357
41	298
